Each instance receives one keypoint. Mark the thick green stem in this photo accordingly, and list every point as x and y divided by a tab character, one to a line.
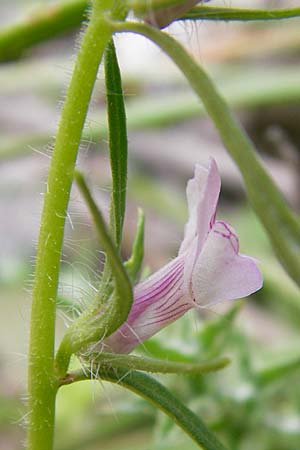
281	224
41	375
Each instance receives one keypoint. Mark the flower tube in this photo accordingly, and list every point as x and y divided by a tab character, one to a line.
207	270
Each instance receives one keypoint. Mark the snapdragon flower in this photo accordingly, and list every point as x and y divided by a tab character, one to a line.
207	270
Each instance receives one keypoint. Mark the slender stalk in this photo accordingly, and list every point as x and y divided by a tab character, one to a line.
281	224
154	365
153	391
41	374
239	14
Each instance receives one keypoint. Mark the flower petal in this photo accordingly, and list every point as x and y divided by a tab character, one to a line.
202	194
220	273
158	301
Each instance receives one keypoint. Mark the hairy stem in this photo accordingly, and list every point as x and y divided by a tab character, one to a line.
41	373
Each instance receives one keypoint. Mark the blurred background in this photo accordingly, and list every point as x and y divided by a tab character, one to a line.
255	403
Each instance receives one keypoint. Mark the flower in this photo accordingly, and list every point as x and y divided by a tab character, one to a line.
207	270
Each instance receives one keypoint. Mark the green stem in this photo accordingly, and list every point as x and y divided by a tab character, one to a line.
280	223
239	14
43	25
41	374
151	390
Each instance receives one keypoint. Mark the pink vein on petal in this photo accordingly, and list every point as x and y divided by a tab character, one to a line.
166	304
229	235
169	317
161	285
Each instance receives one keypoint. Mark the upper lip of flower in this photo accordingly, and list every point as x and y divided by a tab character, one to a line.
208	268
214	269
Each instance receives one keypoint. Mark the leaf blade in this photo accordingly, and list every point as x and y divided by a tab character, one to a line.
117	132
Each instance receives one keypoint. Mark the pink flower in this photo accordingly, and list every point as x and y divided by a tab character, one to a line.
207	270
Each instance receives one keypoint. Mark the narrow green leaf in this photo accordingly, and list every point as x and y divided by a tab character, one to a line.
117	140
154	365
134	263
153	391
239	14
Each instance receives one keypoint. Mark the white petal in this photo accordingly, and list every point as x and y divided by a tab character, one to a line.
202	194
220	273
